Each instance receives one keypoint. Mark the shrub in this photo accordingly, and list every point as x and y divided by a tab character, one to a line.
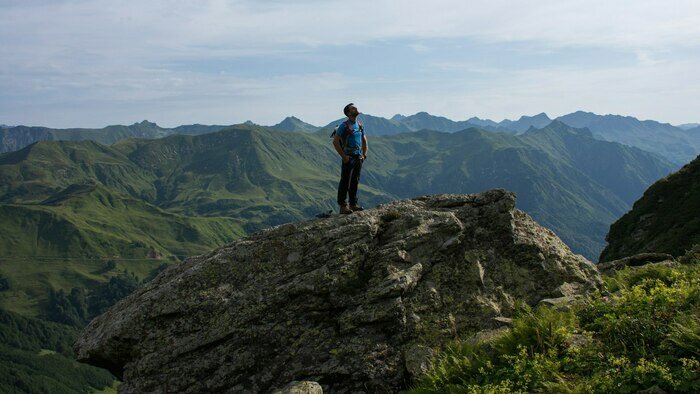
4	283
646	334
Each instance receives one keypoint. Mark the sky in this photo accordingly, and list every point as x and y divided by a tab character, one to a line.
80	63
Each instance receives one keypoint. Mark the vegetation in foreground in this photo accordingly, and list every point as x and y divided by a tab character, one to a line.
641	332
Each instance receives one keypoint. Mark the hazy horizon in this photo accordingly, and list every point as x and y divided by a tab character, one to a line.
322	124
73	63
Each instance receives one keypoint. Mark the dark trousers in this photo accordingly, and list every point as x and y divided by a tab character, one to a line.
349	179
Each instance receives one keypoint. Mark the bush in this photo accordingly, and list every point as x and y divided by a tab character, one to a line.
109	293
4	283
646	334
77	308
154	272
538	331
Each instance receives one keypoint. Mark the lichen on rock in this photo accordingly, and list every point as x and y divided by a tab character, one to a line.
352	302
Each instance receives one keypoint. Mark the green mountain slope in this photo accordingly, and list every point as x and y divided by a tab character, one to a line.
92	221
665	220
566	179
36	172
261	176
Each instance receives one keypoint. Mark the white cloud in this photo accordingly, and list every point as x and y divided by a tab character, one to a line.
68	63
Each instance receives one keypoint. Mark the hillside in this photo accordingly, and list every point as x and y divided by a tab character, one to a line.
260	177
666	219
566	179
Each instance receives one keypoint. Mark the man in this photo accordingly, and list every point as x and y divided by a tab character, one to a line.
351	144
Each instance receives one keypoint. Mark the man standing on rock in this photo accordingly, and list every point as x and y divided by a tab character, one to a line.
351	144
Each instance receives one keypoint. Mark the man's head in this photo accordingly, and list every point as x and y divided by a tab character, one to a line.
350	110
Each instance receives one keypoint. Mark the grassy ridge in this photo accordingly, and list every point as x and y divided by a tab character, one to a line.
90	220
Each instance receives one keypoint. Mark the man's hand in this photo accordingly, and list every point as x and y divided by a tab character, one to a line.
346	159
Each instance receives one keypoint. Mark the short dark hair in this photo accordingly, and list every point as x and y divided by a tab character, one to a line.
347	108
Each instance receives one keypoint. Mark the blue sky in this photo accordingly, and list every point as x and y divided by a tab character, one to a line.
94	63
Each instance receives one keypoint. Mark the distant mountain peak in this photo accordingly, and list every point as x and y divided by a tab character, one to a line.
292	123
145	123
685	126
559	126
540	116
526	122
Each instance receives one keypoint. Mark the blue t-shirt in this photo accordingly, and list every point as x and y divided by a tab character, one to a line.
354	141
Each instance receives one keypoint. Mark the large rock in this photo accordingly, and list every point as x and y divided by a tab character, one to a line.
351	302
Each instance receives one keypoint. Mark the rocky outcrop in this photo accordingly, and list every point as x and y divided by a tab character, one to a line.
355	303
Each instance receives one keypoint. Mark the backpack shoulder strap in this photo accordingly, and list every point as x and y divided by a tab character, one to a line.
349	126
335	131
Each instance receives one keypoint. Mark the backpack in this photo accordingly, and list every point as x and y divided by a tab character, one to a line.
344	141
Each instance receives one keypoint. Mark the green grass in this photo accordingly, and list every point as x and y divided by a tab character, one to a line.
644	334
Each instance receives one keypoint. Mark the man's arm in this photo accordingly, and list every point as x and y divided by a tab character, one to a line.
364	146
336	145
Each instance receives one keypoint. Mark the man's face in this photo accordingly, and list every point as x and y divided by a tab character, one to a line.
352	111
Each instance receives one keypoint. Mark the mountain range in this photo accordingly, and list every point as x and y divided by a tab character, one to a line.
245	178
678	144
77	213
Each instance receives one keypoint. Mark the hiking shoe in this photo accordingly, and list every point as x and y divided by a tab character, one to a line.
356	208
345	210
